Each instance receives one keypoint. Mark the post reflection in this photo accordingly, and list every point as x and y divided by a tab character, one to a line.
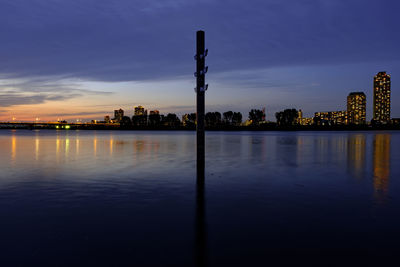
200	221
381	165
356	155
13	148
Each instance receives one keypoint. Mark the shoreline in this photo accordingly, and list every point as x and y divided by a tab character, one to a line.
211	129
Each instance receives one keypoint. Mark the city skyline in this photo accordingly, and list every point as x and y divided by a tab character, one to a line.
62	56
355	112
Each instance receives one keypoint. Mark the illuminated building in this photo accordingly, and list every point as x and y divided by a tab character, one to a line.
118	115
381	98
300	113
185	119
189	119
107	119
140	116
331	118
139	111
154	112
304	121
356	108
299	116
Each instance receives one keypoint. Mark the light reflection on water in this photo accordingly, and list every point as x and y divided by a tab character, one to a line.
381	165
293	153
270	190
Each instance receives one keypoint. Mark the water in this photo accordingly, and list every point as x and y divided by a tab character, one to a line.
103	198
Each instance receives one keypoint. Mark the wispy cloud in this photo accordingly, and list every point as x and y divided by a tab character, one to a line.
132	40
8	100
39	90
79	114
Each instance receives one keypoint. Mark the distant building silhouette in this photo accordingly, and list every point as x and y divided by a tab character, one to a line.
118	115
140	117
185	119
154	118
139	111
382	98
356	108
189	120
107	119
154	112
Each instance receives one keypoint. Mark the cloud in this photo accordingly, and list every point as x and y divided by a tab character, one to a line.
77	114
39	90
8	100
138	40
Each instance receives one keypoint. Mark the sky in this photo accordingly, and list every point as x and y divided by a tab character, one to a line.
81	59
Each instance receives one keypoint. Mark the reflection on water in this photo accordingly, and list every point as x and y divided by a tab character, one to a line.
66	147
200	222
111	145
381	165
127	195
95	145
356	155
13	148
349	151
77	146
293	151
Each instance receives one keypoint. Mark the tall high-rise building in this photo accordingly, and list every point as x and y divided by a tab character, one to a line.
118	115
382	98
356	108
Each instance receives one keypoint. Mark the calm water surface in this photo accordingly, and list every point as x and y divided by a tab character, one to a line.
103	198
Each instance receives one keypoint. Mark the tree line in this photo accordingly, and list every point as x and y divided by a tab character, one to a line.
212	119
215	119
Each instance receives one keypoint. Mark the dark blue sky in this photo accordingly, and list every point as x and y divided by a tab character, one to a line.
100	55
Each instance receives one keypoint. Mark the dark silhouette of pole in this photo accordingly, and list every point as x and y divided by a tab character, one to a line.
201	70
201	87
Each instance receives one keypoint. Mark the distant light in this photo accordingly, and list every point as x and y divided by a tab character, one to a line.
67	127
57	127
